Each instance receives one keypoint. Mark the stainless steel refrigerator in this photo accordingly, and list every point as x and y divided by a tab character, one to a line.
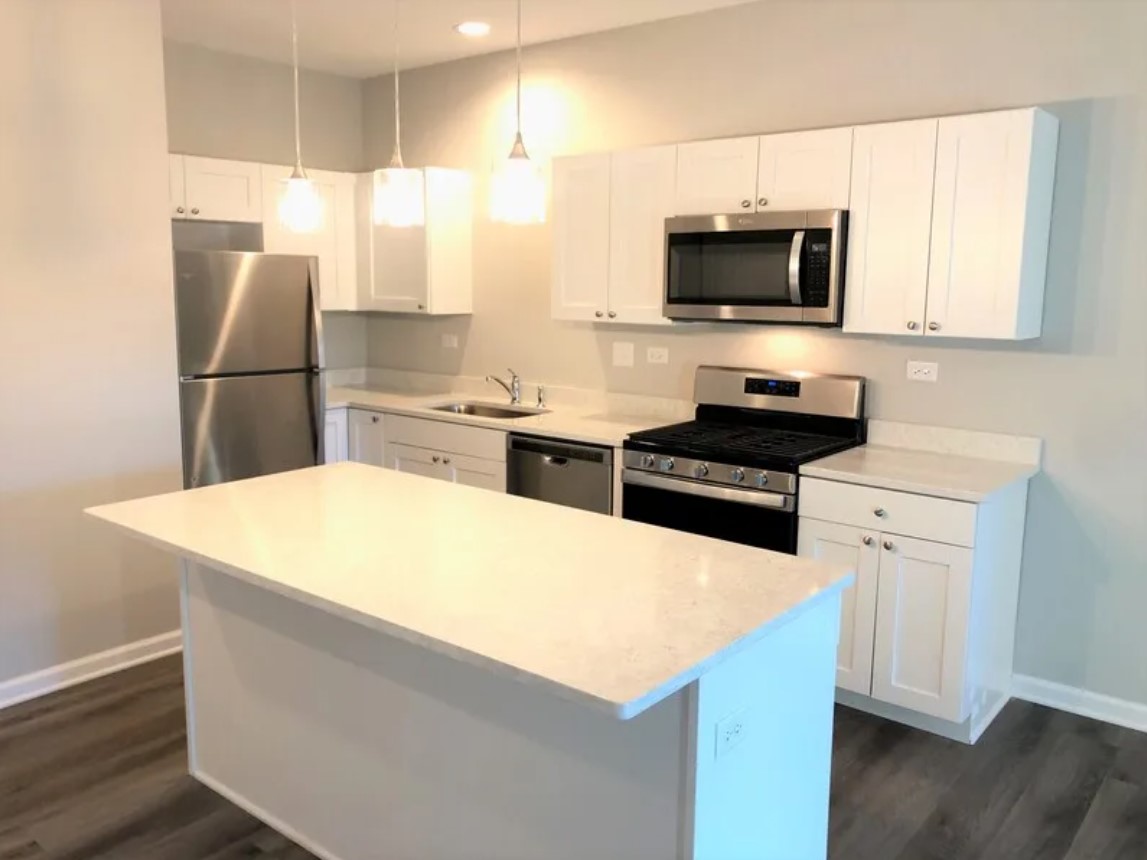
250	364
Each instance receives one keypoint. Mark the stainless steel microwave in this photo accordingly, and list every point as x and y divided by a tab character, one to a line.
783	267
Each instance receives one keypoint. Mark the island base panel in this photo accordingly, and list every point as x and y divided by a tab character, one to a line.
360	746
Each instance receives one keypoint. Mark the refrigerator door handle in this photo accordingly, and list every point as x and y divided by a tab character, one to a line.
318	415
316	315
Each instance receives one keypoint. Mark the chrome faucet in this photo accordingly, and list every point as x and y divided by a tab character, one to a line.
513	387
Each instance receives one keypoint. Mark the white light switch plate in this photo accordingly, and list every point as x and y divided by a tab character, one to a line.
622	354
449	341
923	371
657	355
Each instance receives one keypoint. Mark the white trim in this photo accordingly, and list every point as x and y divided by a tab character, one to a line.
1075	700
88	668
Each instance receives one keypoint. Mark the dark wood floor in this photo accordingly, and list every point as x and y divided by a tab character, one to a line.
98	771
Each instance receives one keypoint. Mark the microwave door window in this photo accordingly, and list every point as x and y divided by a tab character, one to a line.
745	268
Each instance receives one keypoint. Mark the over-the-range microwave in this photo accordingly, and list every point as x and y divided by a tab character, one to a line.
783	267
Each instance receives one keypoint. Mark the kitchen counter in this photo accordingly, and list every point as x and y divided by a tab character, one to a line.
576	424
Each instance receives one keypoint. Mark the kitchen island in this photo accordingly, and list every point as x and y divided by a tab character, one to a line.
381	665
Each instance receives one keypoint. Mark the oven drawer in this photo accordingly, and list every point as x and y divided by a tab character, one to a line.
889	511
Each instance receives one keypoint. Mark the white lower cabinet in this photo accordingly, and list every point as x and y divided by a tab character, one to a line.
455	468
335	436
367	437
473	456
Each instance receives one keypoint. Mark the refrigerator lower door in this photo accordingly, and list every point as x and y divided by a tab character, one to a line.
244	426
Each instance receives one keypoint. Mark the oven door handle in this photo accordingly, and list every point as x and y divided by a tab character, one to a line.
773	501
795	268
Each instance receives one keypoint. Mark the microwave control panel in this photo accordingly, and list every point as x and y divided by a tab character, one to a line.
817	267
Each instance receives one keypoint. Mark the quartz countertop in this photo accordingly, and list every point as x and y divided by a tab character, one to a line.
929	473
610	613
576	424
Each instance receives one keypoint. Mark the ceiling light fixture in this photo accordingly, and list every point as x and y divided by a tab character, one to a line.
473	29
517	191
399	199
301	205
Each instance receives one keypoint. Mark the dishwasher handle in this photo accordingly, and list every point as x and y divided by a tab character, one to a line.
558	462
556	452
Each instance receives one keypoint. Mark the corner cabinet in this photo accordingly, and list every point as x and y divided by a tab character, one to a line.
367	437
949	225
215	189
335	436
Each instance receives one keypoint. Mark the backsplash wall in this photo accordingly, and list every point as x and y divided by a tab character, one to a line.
763	67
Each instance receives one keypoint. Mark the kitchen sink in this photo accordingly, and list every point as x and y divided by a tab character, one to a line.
488	410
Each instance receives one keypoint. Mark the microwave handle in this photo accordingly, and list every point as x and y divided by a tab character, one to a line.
795	267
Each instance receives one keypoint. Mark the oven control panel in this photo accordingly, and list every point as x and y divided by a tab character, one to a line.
707	472
772	387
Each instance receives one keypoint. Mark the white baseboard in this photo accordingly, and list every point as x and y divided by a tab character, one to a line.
88	668
1097	706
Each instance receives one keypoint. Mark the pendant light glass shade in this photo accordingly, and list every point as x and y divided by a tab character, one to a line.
399	198
301	208
517	188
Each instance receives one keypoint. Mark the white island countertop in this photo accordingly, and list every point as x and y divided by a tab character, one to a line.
614	614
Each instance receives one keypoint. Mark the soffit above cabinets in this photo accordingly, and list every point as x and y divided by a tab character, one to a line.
350	37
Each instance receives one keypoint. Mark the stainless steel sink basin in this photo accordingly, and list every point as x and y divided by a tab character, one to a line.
488	410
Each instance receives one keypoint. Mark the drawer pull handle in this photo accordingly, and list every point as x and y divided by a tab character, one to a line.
434	458
880	512
446	461
373	419
868	541
889	545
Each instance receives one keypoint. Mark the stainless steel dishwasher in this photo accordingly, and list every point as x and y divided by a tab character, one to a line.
565	473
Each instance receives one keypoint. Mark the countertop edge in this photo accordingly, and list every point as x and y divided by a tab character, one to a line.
1021	472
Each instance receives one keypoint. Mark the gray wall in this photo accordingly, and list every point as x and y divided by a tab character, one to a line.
225	106
88	409
786	64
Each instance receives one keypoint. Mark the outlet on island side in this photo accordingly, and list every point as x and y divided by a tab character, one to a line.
923	371
730	732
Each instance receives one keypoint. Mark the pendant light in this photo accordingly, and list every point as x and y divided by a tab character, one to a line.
398	190
301	205
517	190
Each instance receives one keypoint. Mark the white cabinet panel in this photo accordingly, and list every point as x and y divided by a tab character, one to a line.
335	436
581	238
480	442
415	461
716	177
475	472
922	620
221	190
990	224
367	437
805	170
176	186
860	550
641	197
890	225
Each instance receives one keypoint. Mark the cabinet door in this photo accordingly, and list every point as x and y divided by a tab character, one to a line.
475	472
449	241
860	550
923	601
219	190
990	223
890	226
716	177
415	461
332	243
805	170
176	188
335	436
641	196
367	437
581	237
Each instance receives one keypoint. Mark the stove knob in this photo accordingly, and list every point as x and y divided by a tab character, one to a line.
738	475
762	479
647	461
667	464
701	470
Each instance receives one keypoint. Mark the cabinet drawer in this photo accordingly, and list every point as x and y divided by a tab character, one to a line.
900	513
444	436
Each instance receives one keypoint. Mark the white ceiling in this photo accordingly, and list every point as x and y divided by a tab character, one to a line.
354	37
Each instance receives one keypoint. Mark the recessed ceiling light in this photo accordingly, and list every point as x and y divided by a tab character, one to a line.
473	29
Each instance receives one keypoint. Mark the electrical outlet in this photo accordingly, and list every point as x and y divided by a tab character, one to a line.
923	371
731	731
449	341
657	355
623	354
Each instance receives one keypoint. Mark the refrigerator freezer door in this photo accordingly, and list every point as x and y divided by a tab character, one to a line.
240	313
244	426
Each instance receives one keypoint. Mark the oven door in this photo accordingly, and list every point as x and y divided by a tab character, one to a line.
750	517
768	267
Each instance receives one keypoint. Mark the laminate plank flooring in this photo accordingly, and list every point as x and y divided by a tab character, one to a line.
98	772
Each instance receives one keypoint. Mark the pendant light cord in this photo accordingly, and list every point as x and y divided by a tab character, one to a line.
396	157
519	54
295	64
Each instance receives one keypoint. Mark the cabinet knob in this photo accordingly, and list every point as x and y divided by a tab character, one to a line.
446	461
745	204
933	326
880	512
373	419
763	201
179	209
912	325
598	314
868	540
613	315
889	545
422	307
434	458
194	210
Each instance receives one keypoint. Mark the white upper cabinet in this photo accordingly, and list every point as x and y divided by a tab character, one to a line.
716	177
214	189
581	237
890	226
990	222
425	269
641	197
805	170
333	243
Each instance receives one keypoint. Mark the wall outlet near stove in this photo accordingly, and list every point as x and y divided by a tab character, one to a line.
449	341
622	354
657	355
923	371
